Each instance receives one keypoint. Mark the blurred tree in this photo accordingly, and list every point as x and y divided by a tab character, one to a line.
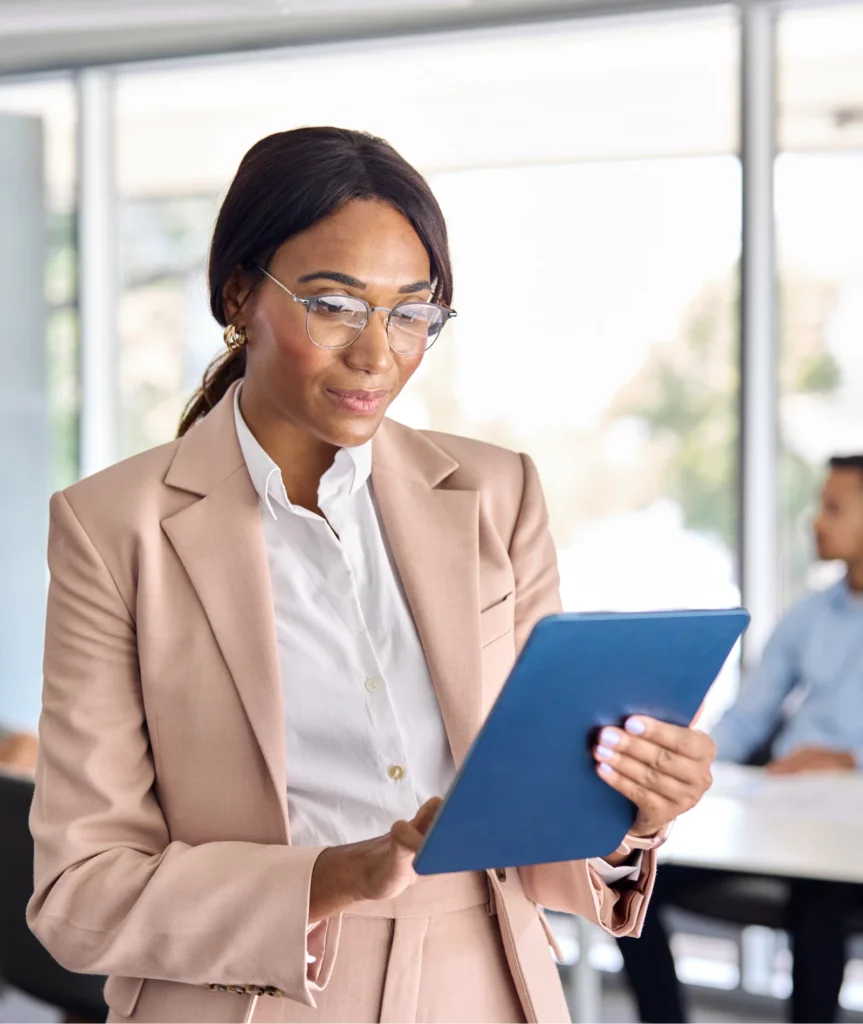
687	394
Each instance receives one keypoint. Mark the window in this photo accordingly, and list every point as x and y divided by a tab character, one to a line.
819	208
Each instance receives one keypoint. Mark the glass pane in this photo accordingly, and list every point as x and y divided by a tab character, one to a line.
52	103
820	82
819	204
819	207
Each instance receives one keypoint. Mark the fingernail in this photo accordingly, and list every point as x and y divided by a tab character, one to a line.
635	726
609	737
605	769
604	753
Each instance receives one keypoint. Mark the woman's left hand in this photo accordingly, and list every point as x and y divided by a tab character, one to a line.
663	769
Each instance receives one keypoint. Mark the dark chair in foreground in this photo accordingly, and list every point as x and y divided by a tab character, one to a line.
24	963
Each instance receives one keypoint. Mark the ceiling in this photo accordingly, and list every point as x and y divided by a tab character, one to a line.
42	35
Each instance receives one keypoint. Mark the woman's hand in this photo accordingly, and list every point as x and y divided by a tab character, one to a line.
663	769
378	869
386	865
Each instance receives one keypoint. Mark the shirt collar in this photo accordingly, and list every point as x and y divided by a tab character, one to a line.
840	597
349	472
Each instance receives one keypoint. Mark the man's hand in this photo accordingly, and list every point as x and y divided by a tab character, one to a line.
19	751
663	769
813	759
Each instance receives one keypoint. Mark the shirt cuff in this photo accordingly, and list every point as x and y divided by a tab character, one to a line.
624	873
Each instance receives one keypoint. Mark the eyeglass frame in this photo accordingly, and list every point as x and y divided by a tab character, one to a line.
389	310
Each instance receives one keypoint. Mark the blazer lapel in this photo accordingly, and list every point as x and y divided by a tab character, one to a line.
220	541
433	534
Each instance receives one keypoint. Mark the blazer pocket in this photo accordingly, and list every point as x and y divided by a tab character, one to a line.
497	620
122	994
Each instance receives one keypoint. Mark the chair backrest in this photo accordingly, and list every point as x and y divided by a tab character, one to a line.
24	963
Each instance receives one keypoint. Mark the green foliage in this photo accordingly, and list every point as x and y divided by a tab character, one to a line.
688	397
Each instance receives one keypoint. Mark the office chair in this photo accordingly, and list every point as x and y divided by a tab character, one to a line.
24	963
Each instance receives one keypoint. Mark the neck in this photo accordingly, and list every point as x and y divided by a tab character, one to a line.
302	458
855	577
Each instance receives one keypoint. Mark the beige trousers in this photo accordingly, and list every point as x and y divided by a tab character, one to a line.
433	954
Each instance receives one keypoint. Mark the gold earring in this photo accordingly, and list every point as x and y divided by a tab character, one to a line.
235	337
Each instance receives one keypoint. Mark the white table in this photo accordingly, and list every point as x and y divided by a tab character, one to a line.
799	826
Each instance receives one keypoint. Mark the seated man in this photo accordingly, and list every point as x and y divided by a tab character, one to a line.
814	657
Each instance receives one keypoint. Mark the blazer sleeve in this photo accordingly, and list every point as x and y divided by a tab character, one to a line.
113	894
573	887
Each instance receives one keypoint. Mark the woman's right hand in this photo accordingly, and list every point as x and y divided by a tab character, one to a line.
377	869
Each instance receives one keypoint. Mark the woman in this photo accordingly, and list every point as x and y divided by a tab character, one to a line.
270	642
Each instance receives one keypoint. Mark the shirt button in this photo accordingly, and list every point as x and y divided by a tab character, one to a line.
396	772
373	685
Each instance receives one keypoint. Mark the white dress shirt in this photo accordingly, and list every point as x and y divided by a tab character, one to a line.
365	738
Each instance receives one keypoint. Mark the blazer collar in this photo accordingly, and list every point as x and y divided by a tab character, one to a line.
210	452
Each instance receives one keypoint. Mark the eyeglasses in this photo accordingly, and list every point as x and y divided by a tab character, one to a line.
336	321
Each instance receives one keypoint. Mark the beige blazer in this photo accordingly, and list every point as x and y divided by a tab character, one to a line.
160	818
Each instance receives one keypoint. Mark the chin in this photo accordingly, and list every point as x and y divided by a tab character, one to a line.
354	432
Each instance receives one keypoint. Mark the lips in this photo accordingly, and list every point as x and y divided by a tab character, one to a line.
358	402
362	396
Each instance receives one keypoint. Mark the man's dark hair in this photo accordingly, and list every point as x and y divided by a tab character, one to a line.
847	462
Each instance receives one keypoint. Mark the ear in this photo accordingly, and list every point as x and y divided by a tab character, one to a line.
238	288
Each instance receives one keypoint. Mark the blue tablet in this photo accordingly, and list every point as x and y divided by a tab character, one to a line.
528	792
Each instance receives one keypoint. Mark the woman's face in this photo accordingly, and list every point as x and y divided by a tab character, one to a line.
339	396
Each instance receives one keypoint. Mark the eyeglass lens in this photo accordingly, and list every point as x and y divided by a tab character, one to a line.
335	321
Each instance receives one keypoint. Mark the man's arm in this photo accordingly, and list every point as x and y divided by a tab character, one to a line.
756	712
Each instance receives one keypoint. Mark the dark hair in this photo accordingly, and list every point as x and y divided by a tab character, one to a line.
286	183
847	462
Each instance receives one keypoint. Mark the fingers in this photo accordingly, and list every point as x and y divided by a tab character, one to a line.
618	747
649	779
652	806
663	769
680	740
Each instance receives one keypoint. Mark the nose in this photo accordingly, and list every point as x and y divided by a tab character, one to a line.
371	352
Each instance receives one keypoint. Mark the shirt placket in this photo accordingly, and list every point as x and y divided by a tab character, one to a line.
390	752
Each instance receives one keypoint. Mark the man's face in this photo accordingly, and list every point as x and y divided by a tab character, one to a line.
839	523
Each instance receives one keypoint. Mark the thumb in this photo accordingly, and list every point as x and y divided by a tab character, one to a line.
425	815
406	838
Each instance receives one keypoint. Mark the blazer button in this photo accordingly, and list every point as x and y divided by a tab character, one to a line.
501	874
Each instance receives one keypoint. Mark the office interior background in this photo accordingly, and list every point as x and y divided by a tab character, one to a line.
682	179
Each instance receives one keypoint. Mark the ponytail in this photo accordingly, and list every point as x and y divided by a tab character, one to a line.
218	377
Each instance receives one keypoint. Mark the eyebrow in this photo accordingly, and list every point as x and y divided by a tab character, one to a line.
355	282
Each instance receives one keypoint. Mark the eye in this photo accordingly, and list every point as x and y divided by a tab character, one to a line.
332	306
418	317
